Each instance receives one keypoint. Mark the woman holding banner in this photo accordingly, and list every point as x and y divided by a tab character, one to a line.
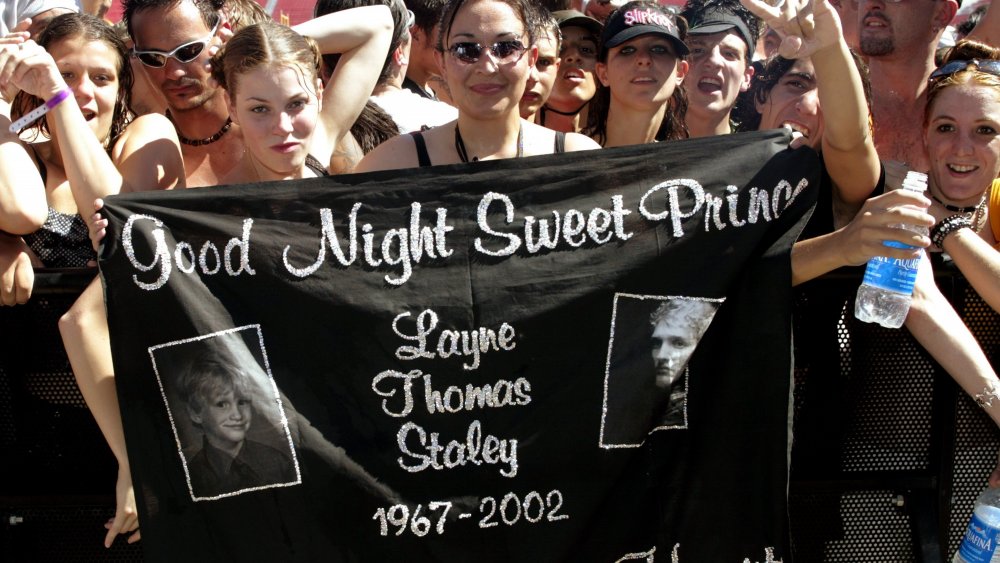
290	126
486	49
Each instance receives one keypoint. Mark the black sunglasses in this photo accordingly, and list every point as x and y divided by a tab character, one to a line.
989	67
503	52
184	53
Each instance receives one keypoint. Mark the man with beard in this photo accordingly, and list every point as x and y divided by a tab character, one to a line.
174	41
899	39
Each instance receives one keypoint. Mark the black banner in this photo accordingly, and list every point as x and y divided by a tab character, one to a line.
488	362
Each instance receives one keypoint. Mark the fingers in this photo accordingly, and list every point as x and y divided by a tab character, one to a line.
126	520
22	26
135	537
17	280
24	280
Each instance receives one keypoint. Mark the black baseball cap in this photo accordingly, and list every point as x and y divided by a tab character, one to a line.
573	18
633	20
715	21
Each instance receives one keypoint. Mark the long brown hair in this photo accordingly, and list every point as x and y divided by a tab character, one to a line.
672	127
90	28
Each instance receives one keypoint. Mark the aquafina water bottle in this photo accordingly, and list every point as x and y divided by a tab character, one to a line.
979	545
884	296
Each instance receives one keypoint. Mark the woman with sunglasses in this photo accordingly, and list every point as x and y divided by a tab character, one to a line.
962	136
486	51
640	67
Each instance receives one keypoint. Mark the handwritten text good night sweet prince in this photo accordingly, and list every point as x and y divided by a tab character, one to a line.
675	201
466	363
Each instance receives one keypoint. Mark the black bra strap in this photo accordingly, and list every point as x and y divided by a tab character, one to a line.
423	159
560	144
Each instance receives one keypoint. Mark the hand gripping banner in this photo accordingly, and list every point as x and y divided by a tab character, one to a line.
581	357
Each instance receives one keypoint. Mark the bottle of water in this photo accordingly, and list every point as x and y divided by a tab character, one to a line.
979	545
884	296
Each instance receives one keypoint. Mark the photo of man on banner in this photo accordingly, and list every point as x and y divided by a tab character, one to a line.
652	337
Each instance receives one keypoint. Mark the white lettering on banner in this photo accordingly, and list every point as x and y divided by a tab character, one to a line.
679	201
463	343
453	399
477	449
509	510
761	206
183	254
545	233
401	247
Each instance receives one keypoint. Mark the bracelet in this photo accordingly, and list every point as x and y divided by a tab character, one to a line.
947	226
36	114
985	399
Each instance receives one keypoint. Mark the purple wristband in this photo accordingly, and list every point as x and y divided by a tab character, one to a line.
36	114
54	100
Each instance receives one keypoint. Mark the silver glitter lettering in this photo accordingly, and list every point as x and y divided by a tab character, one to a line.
203	259
673	210
514	242
369	246
161	255
477	449
184	258
328	235
713	212
574	224
618	213
243	245
399	236
545	239
427	320
597	224
427	239
407	381
733	199
758	206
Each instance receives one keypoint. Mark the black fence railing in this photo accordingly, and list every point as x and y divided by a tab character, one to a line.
889	454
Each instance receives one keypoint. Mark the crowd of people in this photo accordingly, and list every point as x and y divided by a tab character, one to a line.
196	93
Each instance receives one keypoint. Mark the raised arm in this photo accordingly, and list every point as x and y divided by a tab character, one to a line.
988	28
362	35
22	193
149	155
811	28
